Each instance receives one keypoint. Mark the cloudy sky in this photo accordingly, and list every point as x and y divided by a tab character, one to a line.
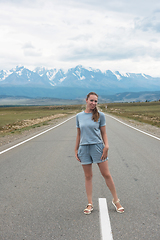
122	35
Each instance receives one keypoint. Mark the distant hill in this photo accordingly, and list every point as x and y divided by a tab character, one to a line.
76	83
121	97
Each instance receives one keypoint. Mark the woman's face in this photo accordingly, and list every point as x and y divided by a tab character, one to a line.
92	102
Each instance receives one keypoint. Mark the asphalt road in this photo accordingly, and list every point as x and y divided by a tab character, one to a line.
42	193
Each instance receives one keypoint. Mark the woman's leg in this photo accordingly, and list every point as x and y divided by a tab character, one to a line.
88	181
104	169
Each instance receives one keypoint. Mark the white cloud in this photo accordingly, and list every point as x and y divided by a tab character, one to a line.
28	45
150	23
117	35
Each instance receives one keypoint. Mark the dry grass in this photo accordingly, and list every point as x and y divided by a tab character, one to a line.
17	119
147	112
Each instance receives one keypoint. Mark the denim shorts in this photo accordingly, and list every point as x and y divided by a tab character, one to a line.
91	153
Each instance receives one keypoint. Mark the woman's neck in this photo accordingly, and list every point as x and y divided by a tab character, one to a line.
88	110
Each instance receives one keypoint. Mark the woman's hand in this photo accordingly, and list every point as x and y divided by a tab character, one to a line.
105	153
105	141
77	144
76	155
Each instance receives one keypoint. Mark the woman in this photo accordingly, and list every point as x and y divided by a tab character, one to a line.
92	147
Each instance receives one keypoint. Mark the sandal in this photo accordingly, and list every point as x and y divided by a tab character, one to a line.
119	210
88	211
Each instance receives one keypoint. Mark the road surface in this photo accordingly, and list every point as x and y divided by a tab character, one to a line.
42	193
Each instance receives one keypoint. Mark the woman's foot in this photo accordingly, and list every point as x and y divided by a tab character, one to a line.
88	209
118	206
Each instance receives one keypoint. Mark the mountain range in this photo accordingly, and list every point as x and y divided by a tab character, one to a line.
75	83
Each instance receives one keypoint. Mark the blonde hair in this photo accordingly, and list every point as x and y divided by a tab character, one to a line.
95	113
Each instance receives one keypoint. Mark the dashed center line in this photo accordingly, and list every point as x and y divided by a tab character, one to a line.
105	226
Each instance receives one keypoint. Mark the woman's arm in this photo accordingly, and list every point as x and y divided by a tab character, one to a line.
77	143
105	140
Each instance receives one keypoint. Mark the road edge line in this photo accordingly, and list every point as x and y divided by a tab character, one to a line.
133	127
105	226
27	140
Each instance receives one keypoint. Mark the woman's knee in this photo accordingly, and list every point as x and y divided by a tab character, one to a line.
88	176
104	170
106	175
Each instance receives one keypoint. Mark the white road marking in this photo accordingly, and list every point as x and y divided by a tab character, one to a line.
134	127
106	232
35	136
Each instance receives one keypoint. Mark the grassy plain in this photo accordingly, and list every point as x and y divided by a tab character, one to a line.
17	119
147	112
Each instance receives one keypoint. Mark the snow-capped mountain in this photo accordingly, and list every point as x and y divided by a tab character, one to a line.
21	76
76	82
